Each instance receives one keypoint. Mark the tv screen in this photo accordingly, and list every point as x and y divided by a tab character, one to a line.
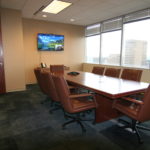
50	42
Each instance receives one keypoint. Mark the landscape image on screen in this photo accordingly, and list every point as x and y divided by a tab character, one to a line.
50	42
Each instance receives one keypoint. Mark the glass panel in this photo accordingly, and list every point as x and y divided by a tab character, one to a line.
136	44
110	49
92	49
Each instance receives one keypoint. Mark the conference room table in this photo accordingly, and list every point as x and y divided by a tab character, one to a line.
106	89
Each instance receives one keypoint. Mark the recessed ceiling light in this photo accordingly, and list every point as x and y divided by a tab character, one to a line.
56	6
44	16
72	20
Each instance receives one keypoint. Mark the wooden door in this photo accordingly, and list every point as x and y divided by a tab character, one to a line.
2	76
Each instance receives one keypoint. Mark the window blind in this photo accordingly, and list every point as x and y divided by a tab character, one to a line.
137	16
111	25
92	30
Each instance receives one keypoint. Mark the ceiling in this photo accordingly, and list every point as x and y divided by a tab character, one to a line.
84	12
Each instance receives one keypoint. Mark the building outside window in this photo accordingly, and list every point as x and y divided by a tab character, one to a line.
136	44
110	48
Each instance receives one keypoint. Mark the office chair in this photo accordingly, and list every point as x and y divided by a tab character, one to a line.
112	72
38	77
37	72
131	74
73	104
57	68
137	110
98	70
47	81
49	85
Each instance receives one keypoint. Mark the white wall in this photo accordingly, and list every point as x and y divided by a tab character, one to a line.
12	38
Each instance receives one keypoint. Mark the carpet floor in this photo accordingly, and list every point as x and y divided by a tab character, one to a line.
26	124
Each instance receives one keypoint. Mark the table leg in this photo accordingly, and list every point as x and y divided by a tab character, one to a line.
104	111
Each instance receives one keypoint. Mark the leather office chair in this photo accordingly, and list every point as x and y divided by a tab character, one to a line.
131	74
37	72
137	110
57	68
112	72
50	89
98	70
73	104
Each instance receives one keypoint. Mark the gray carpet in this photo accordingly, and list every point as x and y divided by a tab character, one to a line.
26	124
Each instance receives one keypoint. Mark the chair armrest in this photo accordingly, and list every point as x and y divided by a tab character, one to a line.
80	95
133	100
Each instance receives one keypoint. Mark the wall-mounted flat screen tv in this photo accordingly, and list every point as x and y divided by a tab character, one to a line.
50	42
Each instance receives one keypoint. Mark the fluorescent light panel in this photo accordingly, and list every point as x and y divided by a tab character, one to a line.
56	6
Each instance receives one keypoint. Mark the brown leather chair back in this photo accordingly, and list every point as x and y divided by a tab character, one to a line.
144	113
63	92
37	72
112	72
98	70
131	74
49	85
56	68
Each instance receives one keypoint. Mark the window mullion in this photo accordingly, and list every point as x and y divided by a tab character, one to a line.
121	46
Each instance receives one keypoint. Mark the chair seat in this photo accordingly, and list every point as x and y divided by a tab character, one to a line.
82	104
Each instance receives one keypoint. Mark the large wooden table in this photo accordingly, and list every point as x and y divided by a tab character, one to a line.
106	89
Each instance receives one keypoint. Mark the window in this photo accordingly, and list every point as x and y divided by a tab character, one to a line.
92	34
120	41
110	48
93	49
136	44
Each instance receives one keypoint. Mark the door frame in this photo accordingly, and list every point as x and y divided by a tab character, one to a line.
2	74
